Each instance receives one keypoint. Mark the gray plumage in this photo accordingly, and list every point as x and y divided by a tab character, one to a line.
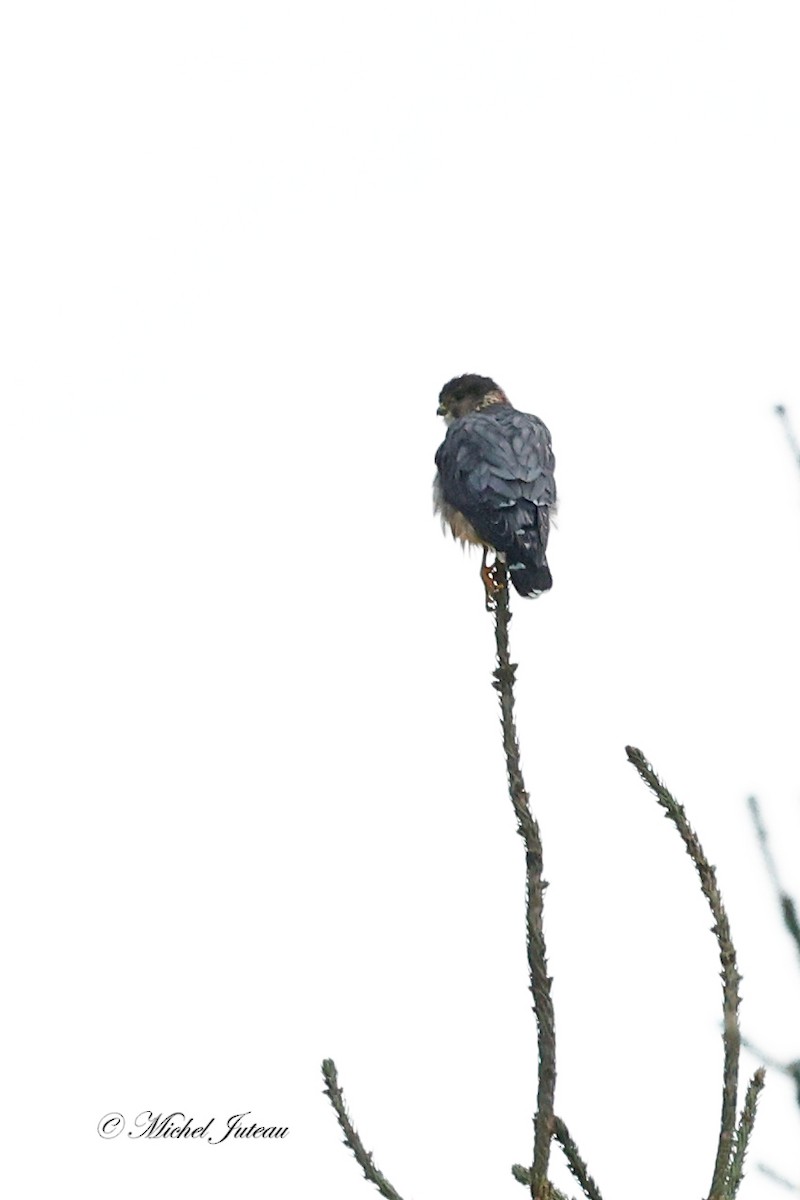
495	478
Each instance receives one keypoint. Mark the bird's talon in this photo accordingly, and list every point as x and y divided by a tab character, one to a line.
492	583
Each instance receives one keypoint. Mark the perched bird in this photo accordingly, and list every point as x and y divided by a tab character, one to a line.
494	485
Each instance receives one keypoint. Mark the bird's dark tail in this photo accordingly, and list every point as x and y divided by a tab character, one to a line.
525	548
529	579
527	555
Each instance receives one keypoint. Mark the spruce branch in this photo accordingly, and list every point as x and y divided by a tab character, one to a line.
523	1175
743	1131
787	904
351	1138
730	976
528	829
576	1165
792	1069
574	1161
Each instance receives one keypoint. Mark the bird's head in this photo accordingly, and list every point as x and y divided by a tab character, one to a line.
467	394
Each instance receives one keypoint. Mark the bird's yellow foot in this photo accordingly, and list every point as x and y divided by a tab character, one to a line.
493	583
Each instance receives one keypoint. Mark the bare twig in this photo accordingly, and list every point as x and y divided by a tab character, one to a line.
351	1138
792	1069
781	1179
576	1164
537	951
791	437
766	1059
744	1129
730	976
787	904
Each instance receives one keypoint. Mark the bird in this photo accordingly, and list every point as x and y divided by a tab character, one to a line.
494	485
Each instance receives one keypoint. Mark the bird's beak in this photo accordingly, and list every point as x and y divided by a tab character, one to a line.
441	411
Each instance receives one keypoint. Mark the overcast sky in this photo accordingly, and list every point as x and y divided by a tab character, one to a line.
256	798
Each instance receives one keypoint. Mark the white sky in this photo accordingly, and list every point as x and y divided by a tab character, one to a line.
257	811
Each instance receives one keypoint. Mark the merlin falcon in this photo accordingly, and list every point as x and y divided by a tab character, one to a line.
494	484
